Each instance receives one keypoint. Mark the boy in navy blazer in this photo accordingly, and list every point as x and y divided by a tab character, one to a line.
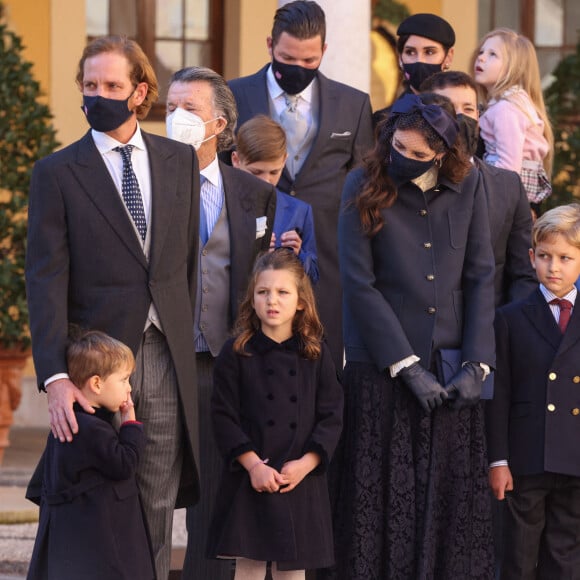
533	423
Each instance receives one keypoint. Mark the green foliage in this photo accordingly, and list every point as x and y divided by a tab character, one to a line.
563	103
26	136
391	10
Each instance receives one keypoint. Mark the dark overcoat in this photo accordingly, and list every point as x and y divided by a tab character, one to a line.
510	225
344	135
533	420
424	281
280	405
85	265
91	523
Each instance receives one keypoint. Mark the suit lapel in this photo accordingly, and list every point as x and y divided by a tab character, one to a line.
572	334
327	107
538	313
164	172
257	97
95	180
242	227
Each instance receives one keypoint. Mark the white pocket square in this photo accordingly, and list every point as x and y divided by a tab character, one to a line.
261	226
340	135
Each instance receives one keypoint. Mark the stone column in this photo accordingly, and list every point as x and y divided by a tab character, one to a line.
348	56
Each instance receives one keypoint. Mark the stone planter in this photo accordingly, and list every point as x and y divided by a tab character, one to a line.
12	363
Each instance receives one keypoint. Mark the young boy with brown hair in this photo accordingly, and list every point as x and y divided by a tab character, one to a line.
91	522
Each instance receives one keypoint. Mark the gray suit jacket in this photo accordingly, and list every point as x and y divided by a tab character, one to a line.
344	135
86	266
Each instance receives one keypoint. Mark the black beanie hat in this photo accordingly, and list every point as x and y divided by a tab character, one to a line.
428	26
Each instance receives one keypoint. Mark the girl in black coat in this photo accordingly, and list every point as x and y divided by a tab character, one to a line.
91	523
277	413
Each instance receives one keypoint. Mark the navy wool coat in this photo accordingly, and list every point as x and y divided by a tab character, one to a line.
425	281
281	406
91	523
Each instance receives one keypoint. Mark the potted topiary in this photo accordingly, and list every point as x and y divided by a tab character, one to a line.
27	135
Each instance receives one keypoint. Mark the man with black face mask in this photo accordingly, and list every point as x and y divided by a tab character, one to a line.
328	127
112	246
508	208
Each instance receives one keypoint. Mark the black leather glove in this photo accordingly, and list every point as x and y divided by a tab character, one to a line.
424	386
465	387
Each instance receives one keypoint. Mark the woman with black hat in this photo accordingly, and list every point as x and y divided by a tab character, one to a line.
424	47
410	485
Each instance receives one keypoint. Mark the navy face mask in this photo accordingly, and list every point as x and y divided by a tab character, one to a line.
403	169
292	78
417	72
104	114
469	128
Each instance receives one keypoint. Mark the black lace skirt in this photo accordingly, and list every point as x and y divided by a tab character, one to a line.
410	493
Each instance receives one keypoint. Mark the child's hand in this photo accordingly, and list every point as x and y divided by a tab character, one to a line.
273	242
500	481
127	410
291	239
295	471
264	478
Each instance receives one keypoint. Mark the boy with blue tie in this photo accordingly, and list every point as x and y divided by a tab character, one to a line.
533	422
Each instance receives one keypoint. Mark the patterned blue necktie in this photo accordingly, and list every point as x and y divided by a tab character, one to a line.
131	192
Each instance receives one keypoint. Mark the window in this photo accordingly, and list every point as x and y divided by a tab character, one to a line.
173	33
552	25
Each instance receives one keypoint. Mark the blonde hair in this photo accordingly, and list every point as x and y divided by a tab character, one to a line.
91	352
520	67
563	220
260	139
306	322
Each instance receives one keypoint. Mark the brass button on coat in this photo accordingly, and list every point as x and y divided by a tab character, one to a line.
551	407
552	376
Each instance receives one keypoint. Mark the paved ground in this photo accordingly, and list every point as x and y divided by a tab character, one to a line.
18	516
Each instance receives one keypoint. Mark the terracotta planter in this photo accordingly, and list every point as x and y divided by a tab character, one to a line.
12	362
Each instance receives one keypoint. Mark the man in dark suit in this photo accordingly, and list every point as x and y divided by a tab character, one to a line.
328	127
237	218
112	245
510	218
533	422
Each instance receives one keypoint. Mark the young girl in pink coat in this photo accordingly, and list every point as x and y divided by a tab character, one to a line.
515	126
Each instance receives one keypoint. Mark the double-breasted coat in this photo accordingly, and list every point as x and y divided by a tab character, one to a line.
91	523
280	405
533	420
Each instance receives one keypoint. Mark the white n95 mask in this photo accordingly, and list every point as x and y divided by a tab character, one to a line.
187	127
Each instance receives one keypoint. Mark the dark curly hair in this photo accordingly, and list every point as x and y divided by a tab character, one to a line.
378	191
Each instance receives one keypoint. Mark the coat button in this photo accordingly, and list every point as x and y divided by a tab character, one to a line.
270	397
293	425
431	310
552	376
204	252
551	407
430	277
427	245
293	398
270	423
575	411
423	212
292	372
576	379
293	193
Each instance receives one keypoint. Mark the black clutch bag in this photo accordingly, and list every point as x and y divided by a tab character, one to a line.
449	361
